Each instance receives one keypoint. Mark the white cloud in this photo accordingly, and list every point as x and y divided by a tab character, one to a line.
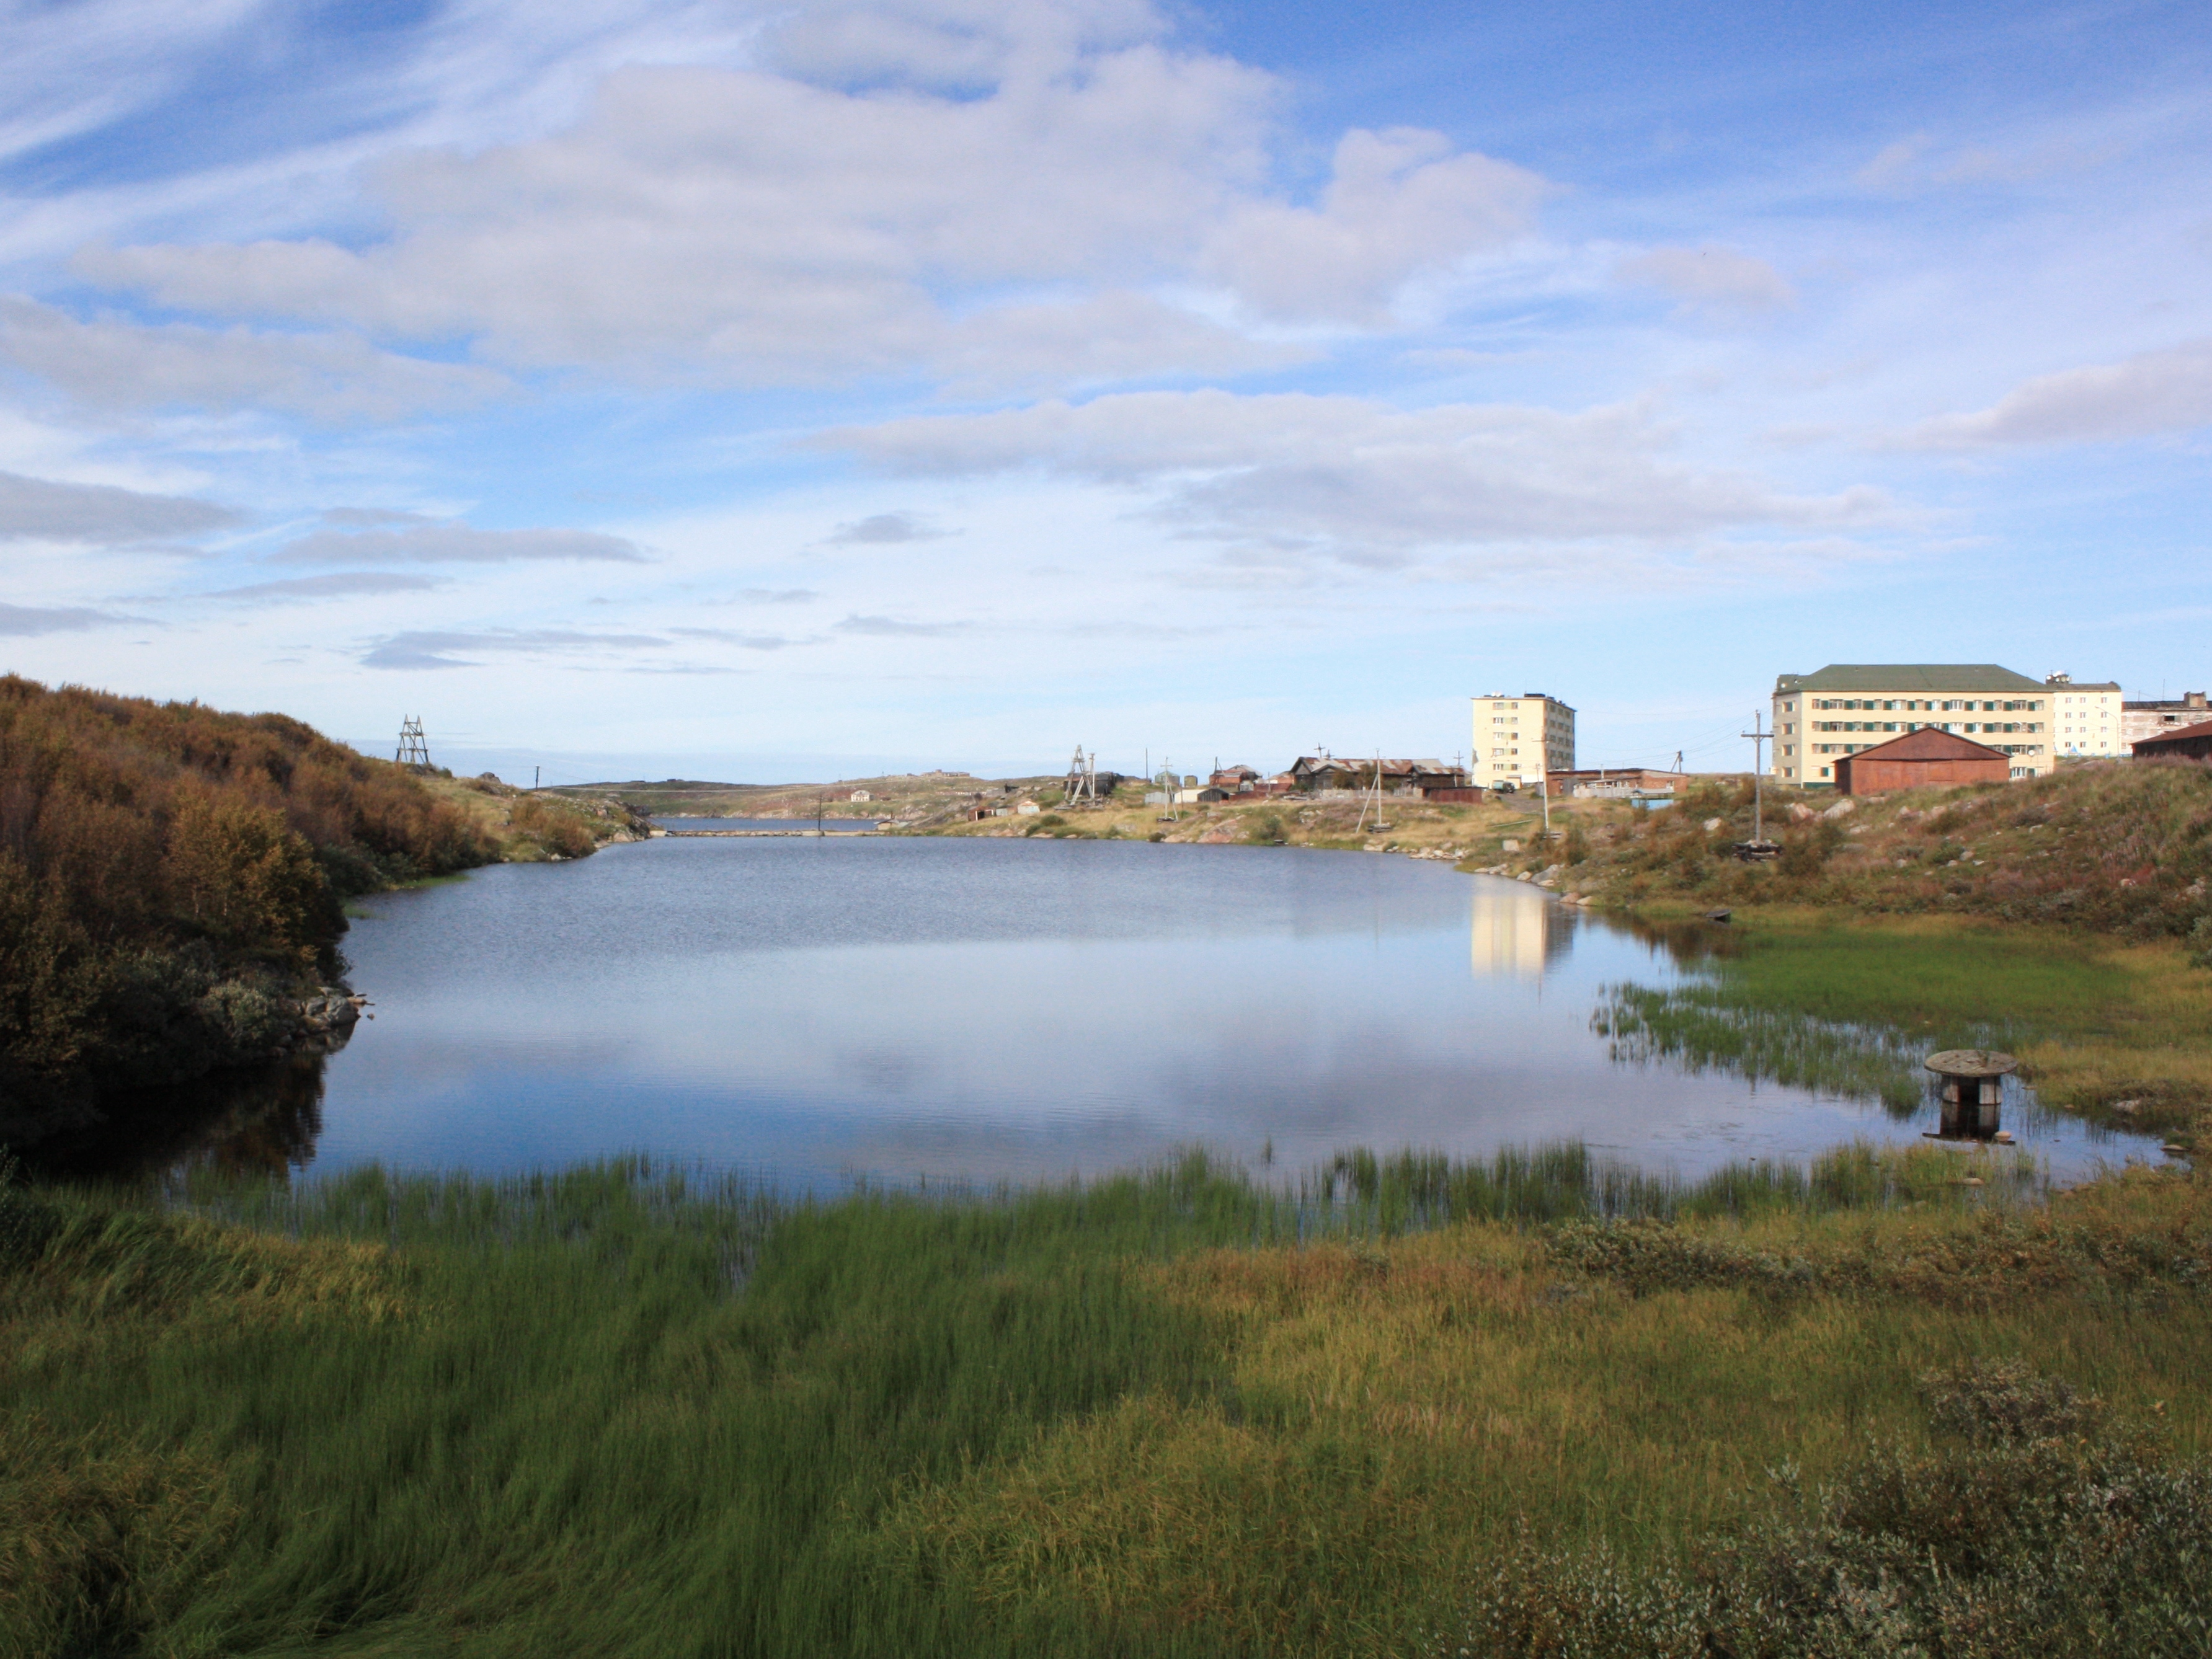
434	649
113	364
1399	202
439	542
19	621
742	641
1358	479
885	529
338	585
40	508
2153	391
888	627
1711	279
1895	165
741	225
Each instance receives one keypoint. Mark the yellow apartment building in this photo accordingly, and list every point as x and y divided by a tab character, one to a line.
2085	718
1518	740
1848	706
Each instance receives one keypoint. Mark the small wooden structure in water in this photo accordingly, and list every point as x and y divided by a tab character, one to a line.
1972	1092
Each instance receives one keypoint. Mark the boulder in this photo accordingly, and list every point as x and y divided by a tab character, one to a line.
1801	814
1843	808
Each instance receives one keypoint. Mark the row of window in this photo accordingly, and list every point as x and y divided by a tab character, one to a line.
1918	725
1910	704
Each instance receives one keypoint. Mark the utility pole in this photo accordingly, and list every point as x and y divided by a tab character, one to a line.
1760	740
537	776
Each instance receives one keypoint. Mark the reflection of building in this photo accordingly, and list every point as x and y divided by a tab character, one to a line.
1847	707
1517	740
1513	933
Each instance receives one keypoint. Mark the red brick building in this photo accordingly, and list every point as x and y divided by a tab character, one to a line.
2190	744
1920	759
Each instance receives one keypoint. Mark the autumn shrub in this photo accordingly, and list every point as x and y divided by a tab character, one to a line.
556	826
169	875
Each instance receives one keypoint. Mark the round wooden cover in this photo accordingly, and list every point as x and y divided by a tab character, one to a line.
1972	1063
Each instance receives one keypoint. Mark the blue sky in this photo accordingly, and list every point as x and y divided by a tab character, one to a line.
766	392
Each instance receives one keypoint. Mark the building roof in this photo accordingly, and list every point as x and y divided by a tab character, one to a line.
1930	744
2082	685
2178	734
1909	677
1364	763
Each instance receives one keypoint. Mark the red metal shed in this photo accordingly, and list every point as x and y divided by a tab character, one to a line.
2189	743
1919	758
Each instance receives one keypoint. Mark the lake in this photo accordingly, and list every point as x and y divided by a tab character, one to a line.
818	1010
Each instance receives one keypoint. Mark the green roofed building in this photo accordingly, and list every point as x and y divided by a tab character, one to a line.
1845	707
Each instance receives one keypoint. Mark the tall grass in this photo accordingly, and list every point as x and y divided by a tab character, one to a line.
633	1409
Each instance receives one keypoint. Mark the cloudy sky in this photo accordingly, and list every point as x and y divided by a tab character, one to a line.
762	390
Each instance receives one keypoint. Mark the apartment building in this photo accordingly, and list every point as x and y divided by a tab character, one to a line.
2085	718
1518	740
1845	707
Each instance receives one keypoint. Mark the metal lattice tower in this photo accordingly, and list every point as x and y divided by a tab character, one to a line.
414	751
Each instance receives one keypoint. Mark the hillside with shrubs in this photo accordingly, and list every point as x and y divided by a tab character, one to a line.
173	884
2123	849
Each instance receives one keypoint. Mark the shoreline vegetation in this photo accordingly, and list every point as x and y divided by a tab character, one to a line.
1527	1405
173	882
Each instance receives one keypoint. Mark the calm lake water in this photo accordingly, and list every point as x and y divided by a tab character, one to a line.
818	1009
779	826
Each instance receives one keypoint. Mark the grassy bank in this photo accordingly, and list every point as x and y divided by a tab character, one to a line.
2121	850
1412	1403
2110	1028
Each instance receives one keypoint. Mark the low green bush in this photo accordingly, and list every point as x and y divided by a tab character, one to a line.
2027	1531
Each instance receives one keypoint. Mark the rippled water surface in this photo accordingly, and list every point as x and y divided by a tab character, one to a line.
820	1008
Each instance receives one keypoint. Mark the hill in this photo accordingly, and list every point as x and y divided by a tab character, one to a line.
173	882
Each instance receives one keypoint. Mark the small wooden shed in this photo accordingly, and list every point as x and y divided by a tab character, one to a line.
1920	758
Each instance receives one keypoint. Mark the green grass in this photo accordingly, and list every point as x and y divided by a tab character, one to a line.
628	1410
1853	1007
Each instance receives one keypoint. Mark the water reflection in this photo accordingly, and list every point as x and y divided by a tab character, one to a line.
265	1121
1516	933
816	1008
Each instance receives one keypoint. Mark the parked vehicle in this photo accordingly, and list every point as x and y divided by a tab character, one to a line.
1506	786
